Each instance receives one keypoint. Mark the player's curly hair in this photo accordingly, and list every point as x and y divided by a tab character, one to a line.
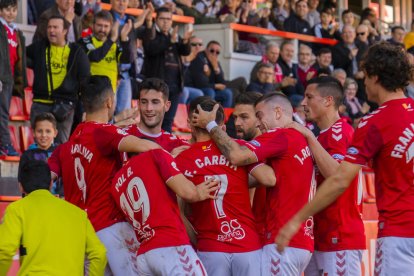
390	64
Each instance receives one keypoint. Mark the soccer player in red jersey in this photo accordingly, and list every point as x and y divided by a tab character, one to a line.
144	189
386	137
247	128
287	151
95	148
152	104
338	230
227	239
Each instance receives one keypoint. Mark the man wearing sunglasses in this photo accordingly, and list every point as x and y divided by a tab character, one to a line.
205	73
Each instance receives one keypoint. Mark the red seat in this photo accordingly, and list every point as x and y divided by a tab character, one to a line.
26	137
228	111
16	111
30	77
180	119
14	137
28	100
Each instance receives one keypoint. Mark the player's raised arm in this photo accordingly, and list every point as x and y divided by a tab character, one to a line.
236	154
185	189
330	189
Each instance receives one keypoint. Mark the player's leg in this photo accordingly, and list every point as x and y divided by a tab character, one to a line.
344	262
312	268
176	260
121	248
216	263
247	263
394	256
292	262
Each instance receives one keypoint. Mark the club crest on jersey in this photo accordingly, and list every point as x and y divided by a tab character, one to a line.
255	143
352	151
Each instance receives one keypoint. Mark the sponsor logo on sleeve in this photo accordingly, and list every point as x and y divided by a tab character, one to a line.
255	143
352	151
338	156
121	132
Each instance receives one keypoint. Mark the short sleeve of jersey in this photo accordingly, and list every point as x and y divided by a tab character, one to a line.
336	144
250	167
270	144
366	142
54	161
165	163
107	138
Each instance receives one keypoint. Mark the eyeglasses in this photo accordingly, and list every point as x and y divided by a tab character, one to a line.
214	51
197	44
361	33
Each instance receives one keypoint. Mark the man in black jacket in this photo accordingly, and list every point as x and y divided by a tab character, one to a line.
163	58
59	70
296	22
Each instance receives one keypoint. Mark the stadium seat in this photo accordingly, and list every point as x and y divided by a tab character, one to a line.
26	137
16	111
14	137
228	111
180	119
28	100
30	77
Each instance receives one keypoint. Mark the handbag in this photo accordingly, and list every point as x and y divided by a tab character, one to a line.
61	109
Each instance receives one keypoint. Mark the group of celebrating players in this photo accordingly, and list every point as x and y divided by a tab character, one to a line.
217	205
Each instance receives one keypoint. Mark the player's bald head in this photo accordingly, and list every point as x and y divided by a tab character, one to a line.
277	99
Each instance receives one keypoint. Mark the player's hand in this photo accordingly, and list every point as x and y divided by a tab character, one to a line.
202	118
286	233
70	15
176	151
302	129
219	86
125	30
205	189
174	35
114	31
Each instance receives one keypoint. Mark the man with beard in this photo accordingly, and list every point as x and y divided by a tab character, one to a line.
153	103
103	48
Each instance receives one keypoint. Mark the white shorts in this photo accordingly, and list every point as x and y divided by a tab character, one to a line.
227	264
292	262
121	249
175	260
394	256
344	263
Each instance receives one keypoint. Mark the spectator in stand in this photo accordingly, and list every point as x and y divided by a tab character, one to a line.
409	37
313	16
362	33
59	70
163	51
230	12
264	82
190	93
355	108
53	235
104	50
44	132
12	68
35	8
397	36
348	53
209	8
128	69
296	22
369	18
348	18
279	14
340	75
305	69
206	74
328	28
289	68
65	8
93	6
189	10
324	60
409	89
